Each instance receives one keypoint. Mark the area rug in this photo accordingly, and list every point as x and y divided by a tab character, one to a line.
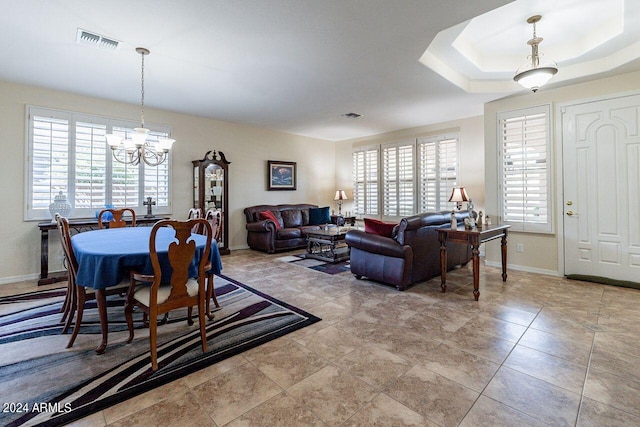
43	383
326	267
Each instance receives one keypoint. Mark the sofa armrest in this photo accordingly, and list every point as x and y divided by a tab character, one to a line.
374	243
264	226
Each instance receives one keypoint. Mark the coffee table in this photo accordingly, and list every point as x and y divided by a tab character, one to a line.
328	245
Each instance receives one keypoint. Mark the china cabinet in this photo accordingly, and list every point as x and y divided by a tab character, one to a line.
211	190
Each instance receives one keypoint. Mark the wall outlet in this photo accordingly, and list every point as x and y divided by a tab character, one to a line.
519	247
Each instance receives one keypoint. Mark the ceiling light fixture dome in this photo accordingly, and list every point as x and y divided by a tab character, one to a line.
537	72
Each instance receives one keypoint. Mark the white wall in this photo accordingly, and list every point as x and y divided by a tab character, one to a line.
247	148
541	253
471	155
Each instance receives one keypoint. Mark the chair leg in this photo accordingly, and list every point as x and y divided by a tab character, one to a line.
71	310
153	341
203	330
128	315
189	315
81	295
66	305
211	293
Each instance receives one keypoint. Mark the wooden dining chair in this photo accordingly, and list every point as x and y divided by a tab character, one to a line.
166	294
118	218
78	295
214	218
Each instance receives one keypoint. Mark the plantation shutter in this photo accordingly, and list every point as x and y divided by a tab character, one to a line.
49	160
438	171
398	179
365	181
90	166
525	195
68	153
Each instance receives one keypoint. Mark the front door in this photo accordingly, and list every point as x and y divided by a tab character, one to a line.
601	178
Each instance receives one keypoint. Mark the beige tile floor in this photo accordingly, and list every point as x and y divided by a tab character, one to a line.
534	351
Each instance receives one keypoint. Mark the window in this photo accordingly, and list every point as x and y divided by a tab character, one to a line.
365	181
67	152
438	171
525	196
398	165
415	176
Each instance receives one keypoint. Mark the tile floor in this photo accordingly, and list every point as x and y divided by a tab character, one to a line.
534	351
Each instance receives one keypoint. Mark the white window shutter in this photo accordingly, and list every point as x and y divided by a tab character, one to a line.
525	181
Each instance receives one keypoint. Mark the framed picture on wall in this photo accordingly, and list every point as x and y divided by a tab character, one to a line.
281	175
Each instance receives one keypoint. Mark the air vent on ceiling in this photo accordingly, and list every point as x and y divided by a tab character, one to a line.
96	40
351	115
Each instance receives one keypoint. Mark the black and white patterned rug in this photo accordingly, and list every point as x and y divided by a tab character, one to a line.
43	383
326	267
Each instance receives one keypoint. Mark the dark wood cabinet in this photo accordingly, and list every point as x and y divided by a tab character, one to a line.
211	190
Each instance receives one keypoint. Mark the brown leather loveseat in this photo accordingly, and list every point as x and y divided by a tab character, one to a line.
290	231
411	255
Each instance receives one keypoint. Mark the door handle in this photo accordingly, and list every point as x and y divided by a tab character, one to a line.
570	213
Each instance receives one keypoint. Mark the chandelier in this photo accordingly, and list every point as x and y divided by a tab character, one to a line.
137	148
535	73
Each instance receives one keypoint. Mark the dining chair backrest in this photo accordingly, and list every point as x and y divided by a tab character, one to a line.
117	218
214	218
194	213
180	255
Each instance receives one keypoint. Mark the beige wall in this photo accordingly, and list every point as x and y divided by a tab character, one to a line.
471	154
541	252
247	148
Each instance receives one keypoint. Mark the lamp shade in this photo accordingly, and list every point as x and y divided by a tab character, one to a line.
340	195
458	194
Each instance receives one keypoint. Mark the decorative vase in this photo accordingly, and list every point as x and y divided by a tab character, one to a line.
59	206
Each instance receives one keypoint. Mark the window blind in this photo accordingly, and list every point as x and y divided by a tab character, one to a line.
438	171
365	181
398	179
68	152
525	182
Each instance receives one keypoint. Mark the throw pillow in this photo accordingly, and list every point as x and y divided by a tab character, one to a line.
319	216
269	215
380	228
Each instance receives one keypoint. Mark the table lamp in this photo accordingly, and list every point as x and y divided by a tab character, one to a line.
459	195
340	196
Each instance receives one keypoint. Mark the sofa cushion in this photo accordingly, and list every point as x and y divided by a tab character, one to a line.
292	218
270	215
319	216
289	233
380	228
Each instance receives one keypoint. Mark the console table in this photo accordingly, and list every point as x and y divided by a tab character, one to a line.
473	237
78	225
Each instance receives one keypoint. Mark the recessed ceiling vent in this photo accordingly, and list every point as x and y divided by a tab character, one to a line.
351	115
96	40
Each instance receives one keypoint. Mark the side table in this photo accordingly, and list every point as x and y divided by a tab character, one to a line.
473	237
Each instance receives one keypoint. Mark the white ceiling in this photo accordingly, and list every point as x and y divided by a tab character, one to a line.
290	65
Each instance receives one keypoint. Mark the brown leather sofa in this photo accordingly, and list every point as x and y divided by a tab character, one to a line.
411	255
263	235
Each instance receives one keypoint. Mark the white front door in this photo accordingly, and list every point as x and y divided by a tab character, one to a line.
601	179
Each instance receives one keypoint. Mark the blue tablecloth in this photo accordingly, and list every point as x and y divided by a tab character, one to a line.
106	256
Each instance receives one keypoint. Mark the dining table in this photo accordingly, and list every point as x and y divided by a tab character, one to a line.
105	257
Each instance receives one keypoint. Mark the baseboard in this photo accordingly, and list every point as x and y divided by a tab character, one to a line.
14	279
525	269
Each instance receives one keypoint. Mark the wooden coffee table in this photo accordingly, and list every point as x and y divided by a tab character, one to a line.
328	245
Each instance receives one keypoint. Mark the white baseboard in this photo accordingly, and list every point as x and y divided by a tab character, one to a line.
15	279
525	269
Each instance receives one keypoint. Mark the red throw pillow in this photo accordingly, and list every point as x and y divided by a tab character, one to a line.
269	215
378	227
